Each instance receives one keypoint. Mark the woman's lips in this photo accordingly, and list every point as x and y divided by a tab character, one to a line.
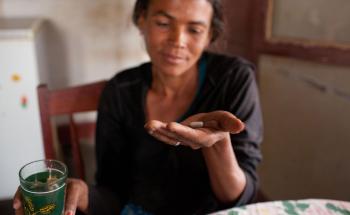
172	59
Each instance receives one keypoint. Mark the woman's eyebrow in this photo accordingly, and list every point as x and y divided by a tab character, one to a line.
169	16
163	13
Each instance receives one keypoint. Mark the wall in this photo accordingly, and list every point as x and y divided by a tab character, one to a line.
306	106
312	19
87	40
237	36
92	40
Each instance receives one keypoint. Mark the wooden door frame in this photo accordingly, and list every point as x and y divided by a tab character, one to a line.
304	49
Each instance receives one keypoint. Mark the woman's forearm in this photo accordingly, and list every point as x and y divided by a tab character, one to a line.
227	178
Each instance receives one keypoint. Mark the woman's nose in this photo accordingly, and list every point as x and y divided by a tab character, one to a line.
177	37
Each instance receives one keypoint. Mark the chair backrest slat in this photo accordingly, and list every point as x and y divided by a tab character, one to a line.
67	102
77	160
43	96
75	99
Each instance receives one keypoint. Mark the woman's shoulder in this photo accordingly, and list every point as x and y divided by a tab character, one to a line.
226	60
220	65
131	76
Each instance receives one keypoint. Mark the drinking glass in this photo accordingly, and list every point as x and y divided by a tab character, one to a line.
43	185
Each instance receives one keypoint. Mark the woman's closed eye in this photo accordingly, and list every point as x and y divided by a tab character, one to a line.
162	24
194	30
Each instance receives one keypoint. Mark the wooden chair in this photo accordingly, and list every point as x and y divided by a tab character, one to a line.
67	101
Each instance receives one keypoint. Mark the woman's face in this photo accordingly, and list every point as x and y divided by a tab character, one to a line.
176	32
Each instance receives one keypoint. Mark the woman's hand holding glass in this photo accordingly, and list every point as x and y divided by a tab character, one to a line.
76	198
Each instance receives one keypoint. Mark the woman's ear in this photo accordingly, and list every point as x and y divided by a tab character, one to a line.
141	23
209	39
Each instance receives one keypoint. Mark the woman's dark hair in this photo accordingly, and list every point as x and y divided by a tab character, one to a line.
217	21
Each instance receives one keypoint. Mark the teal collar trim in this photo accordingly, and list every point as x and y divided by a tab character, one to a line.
202	70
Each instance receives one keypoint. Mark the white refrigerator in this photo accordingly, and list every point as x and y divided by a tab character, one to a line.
22	68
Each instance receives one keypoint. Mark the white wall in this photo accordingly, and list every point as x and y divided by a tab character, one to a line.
306	106
88	40
306	109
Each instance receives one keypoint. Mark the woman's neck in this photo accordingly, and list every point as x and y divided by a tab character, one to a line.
172	95
174	86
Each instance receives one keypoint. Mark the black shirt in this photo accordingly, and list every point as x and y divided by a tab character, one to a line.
160	178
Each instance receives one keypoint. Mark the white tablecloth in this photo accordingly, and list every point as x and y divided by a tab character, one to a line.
292	207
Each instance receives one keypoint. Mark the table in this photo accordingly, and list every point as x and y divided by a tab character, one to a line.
292	207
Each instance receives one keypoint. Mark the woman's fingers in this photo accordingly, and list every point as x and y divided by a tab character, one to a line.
17	204
156	129
71	199
220	120
160	131
173	133
153	125
200	130
17	200
165	137
179	139
19	211
203	137
77	196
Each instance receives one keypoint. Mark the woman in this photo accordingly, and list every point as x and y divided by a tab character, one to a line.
168	138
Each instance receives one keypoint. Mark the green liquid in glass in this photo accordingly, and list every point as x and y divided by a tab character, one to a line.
45	194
